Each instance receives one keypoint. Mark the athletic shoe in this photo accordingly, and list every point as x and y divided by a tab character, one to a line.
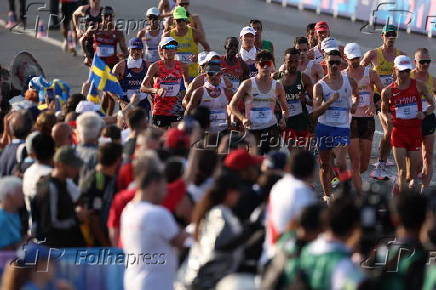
379	172
12	21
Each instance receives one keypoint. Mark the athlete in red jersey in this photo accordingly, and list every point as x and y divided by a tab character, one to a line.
163	80
402	107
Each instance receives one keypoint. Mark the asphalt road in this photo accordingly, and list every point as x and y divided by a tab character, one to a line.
221	19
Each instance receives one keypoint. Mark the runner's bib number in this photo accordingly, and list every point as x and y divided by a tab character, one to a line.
171	89
406	111
105	50
364	99
294	107
185	57
336	114
130	93
261	115
386	80
218	119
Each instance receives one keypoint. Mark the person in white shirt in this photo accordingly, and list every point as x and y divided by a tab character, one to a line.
288	197
149	234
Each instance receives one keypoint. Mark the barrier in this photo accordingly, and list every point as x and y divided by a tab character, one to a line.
412	15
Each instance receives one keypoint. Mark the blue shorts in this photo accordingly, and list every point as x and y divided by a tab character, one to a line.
328	137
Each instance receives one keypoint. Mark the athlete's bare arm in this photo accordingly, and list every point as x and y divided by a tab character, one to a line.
317	71
422	89
308	86
166	33
119	69
195	101
354	95
228	90
164	8
195	84
200	38
281	97
245	72
122	43
198	24
375	80
243	90
80	12
185	74
318	96
147	83
141	33
386	95
369	58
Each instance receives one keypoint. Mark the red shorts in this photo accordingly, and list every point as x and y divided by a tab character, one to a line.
296	138
408	138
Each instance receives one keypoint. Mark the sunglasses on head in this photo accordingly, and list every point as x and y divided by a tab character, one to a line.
335	62
169	46
391	34
265	63
425	61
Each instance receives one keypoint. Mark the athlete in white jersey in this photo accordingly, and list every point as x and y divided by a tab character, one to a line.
260	95
151	35
335	96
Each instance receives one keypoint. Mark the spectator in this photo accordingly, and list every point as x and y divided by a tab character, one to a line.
97	190
72	102
272	170
45	122
112	134
89	126
326	262
202	163
137	120
62	134
147	227
19	125
289	196
146	159
53	209
219	236
42	151
11	200
176	142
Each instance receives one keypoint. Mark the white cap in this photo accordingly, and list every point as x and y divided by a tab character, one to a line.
202	57
246	30
403	62
352	50
211	55
86	106
329	44
166	40
152	11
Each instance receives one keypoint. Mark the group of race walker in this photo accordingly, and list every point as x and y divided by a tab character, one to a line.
322	92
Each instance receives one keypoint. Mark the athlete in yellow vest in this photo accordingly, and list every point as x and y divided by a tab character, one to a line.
421	73
188	39
382	61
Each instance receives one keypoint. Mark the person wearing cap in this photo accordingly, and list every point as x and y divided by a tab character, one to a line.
188	39
421	73
322	31
402	106
296	85
260	95
193	19
256	24
130	73
362	122
248	50
334	97
204	59
382	61
53	208
327	45
212	96
151	35
163	81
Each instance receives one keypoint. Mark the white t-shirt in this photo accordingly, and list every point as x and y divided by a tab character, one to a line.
146	232
30	179
287	198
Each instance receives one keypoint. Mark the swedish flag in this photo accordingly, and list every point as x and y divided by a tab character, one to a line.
103	78
93	94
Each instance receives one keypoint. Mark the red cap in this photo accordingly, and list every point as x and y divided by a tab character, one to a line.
322	26
175	138
241	159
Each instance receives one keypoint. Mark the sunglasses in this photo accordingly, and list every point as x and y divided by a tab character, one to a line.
405	71
265	63
335	62
213	73
425	61
215	61
391	34
185	4
181	20
152	17
169	46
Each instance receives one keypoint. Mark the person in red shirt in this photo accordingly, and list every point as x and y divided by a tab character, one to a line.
402	107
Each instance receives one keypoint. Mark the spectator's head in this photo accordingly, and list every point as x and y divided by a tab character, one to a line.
201	115
72	102
176	142
11	194
109	156
246	165
43	148
409	211
275	161
89	126
45	122
113	133
149	140
137	120
21	124
62	134
71	117
150	178
67	163
174	168
343	218
302	165
204	163
309	222
225	191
